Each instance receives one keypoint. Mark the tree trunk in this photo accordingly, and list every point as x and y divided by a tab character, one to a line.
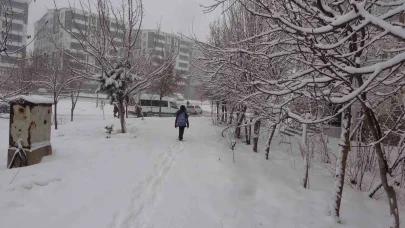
269	141
226	115
305	148
218	112
250	130
56	114
256	130
72	108
241	116
160	105
375	130
122	116
97	101
247	132
126	110
74	102
222	113
306	176
341	162
231	116
71	114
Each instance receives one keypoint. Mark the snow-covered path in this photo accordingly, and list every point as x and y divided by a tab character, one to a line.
146	178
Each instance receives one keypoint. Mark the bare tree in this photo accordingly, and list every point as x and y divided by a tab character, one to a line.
75	89
55	76
109	37
166	85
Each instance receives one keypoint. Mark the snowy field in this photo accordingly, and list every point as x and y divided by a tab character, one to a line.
146	178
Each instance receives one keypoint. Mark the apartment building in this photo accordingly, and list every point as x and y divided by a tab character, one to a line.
52	35
15	21
159	44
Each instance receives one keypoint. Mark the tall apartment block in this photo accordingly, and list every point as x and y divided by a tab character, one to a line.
51	33
159	44
13	18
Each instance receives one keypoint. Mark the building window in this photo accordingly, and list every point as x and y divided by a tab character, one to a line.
79	17
14	26
161	37
9	60
75	46
183	65
184	50
184	43
80	27
183	57
13	38
158	53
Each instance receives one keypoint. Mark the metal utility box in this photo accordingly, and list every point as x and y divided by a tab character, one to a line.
30	130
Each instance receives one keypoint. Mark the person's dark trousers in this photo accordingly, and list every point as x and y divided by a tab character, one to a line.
181	132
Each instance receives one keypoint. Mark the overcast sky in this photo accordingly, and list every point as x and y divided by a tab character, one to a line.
173	15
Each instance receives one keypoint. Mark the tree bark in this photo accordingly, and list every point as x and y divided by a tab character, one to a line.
122	116
306	176
231	116
74	102
241	116
97	101
126	109
226	115
56	114
269	141
256	130
247	132
72	108
250	130
218	112
71	114
374	127
222	112
344	148
375	130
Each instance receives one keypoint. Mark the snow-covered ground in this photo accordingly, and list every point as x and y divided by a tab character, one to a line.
146	178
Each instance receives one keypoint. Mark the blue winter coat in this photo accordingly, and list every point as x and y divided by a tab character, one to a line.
180	122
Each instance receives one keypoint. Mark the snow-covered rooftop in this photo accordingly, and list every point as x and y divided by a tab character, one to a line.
35	99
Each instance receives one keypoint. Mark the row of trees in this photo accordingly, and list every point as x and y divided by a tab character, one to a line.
309	62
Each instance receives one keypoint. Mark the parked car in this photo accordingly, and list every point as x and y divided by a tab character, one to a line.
194	109
4	107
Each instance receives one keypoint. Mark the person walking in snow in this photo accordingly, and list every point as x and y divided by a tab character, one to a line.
181	121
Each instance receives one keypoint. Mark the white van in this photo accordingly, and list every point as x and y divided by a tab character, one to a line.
149	104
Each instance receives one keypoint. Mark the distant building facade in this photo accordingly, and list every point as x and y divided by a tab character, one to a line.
51	36
15	22
160	44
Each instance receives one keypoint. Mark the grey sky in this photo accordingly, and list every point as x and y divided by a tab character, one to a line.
174	15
